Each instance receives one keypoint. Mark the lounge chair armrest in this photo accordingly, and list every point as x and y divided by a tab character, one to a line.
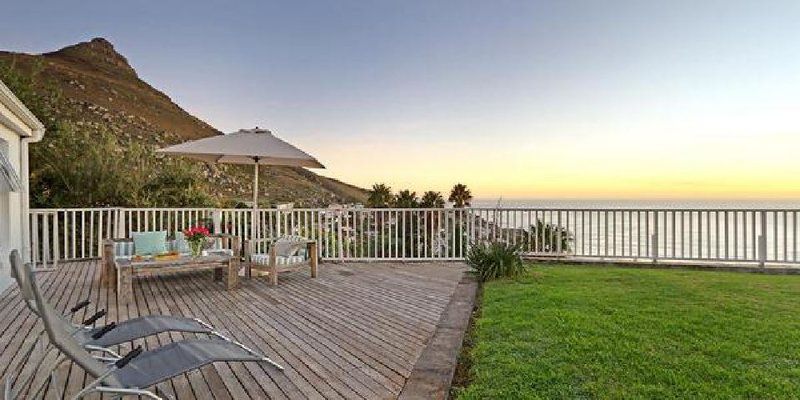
104	330
79	306
128	357
91	320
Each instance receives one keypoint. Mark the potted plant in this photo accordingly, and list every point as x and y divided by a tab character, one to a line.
197	236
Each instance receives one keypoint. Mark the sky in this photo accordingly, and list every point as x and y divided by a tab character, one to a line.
520	99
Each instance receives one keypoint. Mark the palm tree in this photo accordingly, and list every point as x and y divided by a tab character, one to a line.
432	199
460	196
406	199
380	196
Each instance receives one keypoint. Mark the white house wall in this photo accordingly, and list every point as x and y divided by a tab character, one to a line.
15	126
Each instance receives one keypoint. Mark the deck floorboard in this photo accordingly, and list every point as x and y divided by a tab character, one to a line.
355	332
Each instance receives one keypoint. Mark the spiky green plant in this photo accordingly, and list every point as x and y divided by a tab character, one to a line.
492	260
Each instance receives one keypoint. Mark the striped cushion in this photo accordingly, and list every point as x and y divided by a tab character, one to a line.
123	249
263	259
227	252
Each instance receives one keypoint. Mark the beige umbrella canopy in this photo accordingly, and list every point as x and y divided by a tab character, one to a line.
247	146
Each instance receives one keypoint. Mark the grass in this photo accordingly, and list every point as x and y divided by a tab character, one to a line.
595	332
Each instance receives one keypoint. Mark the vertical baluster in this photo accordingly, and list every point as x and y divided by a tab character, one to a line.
74	254
794	236
754	236
774	235
715	255
785	238
605	233
91	243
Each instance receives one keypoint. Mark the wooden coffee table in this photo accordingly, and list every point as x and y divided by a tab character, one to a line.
225	268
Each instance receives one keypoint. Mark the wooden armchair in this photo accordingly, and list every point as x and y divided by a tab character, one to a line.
283	254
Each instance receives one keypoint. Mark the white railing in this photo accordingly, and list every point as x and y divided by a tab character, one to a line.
729	235
695	235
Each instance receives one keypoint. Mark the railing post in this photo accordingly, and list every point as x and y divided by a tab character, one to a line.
763	239
762	251
216	217
119	225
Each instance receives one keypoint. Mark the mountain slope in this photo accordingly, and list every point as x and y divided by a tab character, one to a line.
99	90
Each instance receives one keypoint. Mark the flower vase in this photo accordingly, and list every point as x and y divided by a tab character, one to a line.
196	247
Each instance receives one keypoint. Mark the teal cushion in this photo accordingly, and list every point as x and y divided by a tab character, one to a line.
181	245
145	243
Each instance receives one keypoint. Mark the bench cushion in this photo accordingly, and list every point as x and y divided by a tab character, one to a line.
263	259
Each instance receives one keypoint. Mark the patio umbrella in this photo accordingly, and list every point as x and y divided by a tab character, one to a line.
246	146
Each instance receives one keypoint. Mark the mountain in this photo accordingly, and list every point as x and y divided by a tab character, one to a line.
98	89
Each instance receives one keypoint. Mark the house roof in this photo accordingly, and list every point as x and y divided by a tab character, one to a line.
35	128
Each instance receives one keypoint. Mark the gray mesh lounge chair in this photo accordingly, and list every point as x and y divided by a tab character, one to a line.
122	332
137	370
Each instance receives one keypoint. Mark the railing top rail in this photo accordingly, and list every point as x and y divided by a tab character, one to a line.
122	209
306	209
636	209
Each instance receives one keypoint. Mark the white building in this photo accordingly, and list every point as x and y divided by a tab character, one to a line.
18	128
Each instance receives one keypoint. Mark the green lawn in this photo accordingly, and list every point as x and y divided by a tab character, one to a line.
597	332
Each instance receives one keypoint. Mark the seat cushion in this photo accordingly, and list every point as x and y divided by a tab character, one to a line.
145	243
263	259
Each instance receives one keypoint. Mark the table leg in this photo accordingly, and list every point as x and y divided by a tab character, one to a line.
107	272
103	273
232	278
124	284
314	258
273	266
111	275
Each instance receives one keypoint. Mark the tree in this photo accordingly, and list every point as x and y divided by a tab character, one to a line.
460	196
380	196
74	166
77	168
406	199
432	199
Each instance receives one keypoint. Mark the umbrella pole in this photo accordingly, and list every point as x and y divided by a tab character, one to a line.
256	225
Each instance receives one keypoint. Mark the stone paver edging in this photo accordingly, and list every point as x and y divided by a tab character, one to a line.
433	372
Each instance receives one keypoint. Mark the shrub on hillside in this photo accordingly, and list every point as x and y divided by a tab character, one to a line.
75	166
495	260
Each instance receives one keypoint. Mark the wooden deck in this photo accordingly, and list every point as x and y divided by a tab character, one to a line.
354	332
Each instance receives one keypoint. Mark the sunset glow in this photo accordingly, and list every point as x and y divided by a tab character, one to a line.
517	99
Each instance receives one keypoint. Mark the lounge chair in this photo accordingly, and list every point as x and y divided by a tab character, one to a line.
137	370
283	254
122	332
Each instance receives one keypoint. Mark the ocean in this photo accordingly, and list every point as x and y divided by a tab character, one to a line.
638	204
